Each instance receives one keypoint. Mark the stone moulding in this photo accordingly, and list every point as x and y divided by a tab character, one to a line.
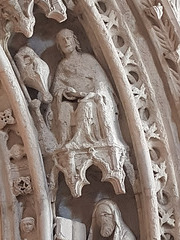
143	130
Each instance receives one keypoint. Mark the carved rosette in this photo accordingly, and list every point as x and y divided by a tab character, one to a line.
22	186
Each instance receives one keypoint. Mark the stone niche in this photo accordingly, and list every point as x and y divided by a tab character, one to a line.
111	165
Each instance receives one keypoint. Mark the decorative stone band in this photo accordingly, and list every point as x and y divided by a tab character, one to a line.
144	119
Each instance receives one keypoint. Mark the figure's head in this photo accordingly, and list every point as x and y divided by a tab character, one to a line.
67	41
27	224
105	219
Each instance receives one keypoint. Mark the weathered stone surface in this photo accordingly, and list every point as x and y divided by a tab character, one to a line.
93	100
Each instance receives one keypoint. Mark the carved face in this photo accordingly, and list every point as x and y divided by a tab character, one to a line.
65	39
105	220
27	224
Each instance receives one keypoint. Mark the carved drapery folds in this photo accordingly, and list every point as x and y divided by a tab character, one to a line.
69	120
107	221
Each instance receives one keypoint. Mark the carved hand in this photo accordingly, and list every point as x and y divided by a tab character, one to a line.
71	93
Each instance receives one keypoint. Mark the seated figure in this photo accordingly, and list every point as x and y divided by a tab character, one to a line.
85	113
84	120
108	224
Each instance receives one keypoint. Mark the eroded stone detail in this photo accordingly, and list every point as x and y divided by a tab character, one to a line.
17	152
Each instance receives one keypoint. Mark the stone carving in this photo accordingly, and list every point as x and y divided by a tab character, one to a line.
159	10
86	117
47	140
6	118
22	186
67	229
16	16
34	72
17	152
150	119
27	224
175	5
107	222
53	9
27	227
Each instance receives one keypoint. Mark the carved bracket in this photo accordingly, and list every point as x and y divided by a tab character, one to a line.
74	165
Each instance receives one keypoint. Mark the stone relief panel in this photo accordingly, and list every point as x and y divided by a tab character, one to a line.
81	122
15	168
77	122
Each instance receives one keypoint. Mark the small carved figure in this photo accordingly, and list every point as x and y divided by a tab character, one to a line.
17	152
27	224
107	223
27	227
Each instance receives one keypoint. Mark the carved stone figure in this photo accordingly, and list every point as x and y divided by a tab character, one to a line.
107	223
84	98
34	71
85	119
27	224
27	227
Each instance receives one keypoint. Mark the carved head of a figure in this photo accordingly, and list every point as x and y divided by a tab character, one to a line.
67	41
105	220
27	224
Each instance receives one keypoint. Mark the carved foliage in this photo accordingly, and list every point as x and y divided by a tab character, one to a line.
169	44
148	117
